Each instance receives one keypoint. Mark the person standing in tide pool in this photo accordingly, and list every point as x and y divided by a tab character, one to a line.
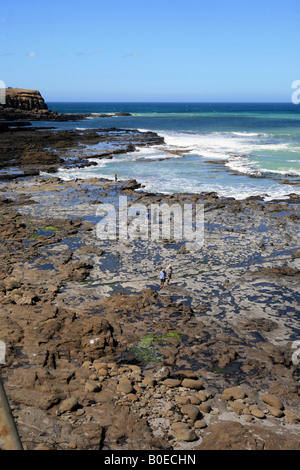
169	271
162	277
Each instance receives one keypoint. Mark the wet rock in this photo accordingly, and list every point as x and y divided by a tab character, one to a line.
279	271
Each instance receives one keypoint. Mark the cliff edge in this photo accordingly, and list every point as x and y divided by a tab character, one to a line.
27	100
29	105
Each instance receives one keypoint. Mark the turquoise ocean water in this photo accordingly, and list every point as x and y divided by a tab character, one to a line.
237	150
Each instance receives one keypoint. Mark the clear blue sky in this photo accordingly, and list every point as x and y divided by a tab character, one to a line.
151	50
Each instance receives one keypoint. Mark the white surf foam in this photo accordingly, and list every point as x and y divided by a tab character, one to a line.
236	150
222	146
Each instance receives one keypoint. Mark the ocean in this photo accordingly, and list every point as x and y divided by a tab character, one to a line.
234	149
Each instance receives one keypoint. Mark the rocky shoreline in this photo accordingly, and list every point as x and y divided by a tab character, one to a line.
27	152
98	357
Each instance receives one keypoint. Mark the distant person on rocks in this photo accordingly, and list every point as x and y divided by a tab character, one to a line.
169	272
116	177
162	277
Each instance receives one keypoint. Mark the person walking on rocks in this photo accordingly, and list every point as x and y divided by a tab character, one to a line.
169	271
162	277
116	177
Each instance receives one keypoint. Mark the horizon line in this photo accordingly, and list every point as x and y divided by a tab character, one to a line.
177	102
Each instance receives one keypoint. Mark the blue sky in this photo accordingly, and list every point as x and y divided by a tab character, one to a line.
151	50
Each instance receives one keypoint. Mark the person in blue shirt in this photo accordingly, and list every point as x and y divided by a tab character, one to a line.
162	277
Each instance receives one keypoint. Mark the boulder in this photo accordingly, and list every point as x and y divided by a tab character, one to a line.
191	383
69	404
192	411
233	393
273	401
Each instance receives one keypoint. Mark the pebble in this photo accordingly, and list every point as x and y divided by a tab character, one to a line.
233	393
185	434
275	411
182	400
124	387
202	396
149	382
162	373
257	413
192	411
273	401
191	383
172	382
189	374
290	417
195	400
87	364
200	424
124	380
289	413
100	366
179	425
91	386
238	407
205	407
135	368
170	406
132	397
69	404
